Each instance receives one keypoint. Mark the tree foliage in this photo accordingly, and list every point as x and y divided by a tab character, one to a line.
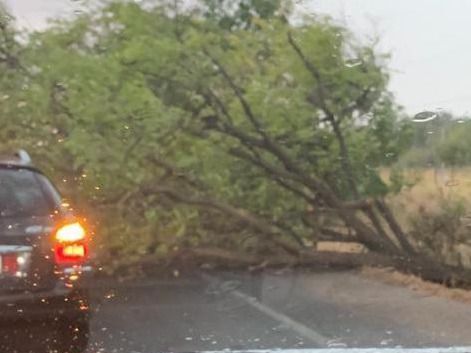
165	122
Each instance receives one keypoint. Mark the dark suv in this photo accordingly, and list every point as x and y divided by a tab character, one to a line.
43	254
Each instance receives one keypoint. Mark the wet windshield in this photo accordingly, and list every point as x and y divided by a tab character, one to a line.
237	175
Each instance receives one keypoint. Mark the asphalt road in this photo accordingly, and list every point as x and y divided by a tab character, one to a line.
281	309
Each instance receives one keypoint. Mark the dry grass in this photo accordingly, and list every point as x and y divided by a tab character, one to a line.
430	188
394	277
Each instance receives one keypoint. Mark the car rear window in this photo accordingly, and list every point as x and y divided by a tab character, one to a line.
22	194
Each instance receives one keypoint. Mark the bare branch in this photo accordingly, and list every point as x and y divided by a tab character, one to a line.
395	227
370	212
334	235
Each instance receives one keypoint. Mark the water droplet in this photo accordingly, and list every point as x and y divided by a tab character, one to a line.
110	295
336	345
352	63
385	342
424	116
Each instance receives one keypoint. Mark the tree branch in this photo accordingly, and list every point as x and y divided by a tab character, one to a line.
195	183
314	72
330	117
355	105
278	175
251	219
333	235
395	227
370	212
238	92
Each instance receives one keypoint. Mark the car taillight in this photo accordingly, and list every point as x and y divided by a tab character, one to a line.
70	233
10	263
70	244
15	263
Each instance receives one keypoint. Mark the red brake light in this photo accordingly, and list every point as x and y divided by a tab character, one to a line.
70	244
10	263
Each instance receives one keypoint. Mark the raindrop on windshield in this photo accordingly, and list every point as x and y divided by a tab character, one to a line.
353	63
425	116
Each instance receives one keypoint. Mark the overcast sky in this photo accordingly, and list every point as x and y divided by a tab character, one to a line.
429	41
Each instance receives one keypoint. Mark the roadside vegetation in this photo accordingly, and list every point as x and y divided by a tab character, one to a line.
236	131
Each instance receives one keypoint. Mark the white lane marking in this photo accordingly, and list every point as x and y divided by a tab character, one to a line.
355	350
296	326
301	329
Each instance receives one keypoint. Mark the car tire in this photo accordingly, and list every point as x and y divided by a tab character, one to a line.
73	334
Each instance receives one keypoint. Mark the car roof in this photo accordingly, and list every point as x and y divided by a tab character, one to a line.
19	159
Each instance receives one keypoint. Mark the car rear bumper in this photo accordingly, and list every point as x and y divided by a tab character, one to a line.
56	303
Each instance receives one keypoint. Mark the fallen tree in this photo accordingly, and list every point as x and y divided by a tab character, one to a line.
335	83
187	260
295	253
298	111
